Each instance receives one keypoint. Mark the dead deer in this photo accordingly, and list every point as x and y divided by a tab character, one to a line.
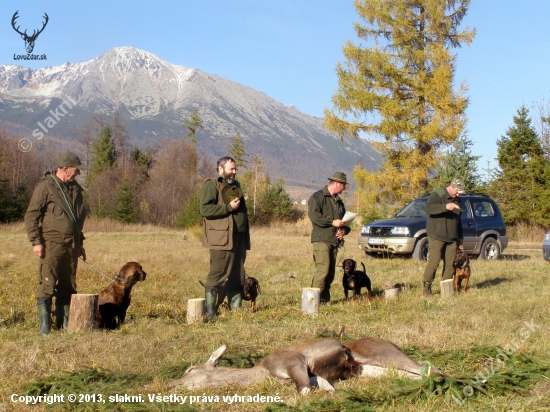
377	355
317	363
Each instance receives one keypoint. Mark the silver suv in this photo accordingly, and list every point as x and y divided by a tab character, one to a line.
483	229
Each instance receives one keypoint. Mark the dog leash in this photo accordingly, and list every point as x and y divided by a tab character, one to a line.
100	272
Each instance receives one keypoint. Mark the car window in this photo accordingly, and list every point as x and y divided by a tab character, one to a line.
465	209
415	208
483	208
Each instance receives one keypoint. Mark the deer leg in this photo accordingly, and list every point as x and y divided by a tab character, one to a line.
321	383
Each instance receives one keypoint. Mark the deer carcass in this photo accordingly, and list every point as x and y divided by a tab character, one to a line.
319	362
378	355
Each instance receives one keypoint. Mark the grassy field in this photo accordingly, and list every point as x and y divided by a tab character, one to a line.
506	308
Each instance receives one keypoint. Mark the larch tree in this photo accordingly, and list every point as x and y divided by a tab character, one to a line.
398	87
237	152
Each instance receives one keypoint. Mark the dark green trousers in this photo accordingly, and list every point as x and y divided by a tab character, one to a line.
324	256
57	271
437	250
228	265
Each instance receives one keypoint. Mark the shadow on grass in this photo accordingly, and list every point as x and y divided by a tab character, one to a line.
491	282
514	257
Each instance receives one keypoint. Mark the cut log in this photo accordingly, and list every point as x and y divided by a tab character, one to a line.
447	288
311	298
82	313
391	293
195	310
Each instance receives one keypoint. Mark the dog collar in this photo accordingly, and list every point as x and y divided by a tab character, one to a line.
122	280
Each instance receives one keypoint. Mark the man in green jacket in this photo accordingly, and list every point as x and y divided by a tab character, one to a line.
54	222
226	233
444	229
326	210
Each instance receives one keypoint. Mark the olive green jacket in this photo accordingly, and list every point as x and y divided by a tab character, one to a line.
442	224
48	216
219	219
323	208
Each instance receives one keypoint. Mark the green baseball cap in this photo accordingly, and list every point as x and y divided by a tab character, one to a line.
69	159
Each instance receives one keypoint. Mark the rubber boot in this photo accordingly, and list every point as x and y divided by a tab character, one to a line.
427	288
44	314
211	297
235	299
62	308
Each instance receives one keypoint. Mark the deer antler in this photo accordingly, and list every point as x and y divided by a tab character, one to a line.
15	16
35	35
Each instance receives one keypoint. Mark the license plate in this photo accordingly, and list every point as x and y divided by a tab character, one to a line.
375	241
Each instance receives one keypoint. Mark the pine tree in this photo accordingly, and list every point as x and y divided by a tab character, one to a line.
125	211
237	152
521	188
458	162
400	89
104	153
192	125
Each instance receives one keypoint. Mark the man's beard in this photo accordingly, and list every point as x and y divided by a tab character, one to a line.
228	178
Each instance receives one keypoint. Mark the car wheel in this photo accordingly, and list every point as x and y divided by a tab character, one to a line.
490	250
420	251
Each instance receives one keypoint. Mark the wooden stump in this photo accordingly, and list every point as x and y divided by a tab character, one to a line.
195	310
391	293
82	314
311	298
447	288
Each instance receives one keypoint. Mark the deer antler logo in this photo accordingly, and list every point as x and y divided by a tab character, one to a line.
29	40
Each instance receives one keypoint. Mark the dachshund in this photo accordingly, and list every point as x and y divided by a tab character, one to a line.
462	269
355	279
113	301
251	290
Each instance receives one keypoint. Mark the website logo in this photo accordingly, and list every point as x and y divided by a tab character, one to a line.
29	40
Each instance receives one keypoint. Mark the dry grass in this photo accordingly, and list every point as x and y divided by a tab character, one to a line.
156	343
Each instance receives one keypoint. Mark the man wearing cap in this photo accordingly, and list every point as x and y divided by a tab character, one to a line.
444	229
226	233
326	210
54	222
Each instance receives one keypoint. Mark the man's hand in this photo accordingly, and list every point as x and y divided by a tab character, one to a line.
340	233
338	223
451	206
38	250
83	253
235	203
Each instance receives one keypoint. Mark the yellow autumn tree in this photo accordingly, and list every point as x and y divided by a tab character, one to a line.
398	87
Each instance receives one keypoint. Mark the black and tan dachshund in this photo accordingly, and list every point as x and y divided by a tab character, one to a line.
354	279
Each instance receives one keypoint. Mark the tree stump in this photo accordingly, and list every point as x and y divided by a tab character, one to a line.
82	313
447	288
391	293
311	298
195	310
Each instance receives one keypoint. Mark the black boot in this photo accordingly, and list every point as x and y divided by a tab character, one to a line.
62	307
211	297
427	288
44	314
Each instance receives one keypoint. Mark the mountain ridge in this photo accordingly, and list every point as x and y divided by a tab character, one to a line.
154	97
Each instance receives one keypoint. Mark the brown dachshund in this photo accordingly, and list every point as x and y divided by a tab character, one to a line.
462	269
251	290
114	300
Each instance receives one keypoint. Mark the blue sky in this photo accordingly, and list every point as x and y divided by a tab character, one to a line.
288	49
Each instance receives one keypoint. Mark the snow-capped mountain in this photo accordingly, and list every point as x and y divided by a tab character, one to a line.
154	97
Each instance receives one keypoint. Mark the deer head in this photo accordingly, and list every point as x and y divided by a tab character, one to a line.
29	40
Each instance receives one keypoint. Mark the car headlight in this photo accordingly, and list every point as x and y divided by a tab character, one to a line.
400	230
365	230
547	236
